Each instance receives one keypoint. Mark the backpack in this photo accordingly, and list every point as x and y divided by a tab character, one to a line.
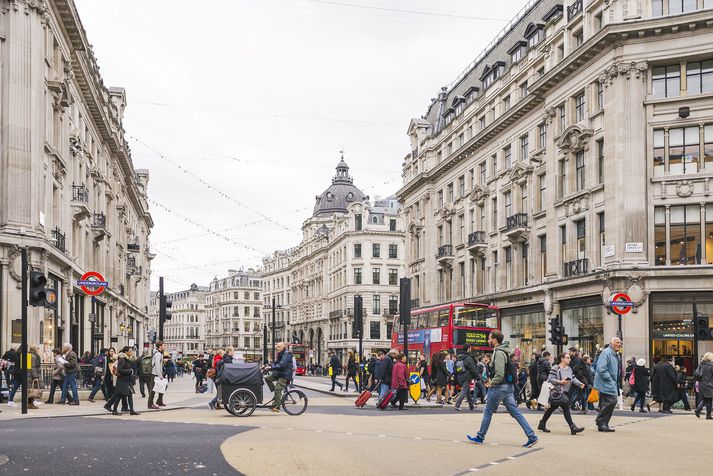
460	366
632	379
146	365
510	375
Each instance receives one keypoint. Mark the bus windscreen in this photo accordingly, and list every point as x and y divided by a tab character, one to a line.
470	316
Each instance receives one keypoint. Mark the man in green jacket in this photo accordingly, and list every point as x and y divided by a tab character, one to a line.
503	375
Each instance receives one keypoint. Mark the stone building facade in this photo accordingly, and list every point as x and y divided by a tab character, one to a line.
234	314
68	188
184	333
570	161
349	247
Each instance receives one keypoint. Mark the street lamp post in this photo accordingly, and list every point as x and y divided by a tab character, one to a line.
264	334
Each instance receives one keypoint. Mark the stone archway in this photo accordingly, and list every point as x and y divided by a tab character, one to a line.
302	337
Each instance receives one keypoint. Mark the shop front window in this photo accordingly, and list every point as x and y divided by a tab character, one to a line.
672	327
583	321
525	329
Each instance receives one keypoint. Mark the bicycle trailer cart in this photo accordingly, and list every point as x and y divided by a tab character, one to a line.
241	391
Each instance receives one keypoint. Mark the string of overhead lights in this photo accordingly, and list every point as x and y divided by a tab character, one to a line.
207	229
202	235
212	187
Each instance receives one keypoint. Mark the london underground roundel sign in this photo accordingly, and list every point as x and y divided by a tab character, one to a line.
92	283
620	303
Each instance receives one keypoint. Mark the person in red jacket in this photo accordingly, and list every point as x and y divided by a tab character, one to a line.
399	380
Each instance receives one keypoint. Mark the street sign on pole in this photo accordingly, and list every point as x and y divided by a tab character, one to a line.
621	304
92	283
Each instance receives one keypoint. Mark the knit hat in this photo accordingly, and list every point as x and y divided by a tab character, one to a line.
641	362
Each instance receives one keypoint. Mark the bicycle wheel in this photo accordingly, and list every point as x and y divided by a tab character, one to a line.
241	403
294	402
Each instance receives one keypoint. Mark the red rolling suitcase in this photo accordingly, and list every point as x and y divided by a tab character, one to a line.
387	399
363	398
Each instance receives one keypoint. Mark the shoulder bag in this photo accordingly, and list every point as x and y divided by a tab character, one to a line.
557	395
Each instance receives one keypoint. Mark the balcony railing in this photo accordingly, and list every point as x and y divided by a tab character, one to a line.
336	314
445	250
389	312
80	193
415	303
476	238
131	262
133	247
59	239
517	220
574	10
99	220
576	267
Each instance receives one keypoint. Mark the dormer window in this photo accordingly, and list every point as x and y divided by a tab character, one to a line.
459	104
534	33
518	51
330	196
448	115
350	197
471	94
491	73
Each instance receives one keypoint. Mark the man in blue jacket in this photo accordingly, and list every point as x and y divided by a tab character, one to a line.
281	373
606	380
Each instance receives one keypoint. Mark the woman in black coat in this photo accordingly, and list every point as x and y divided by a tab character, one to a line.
668	385
124	380
641	384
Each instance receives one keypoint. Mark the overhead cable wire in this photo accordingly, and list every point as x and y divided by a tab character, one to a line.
207	229
399	10
271	114
212	187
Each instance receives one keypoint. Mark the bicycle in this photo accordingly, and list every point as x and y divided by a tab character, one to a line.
243	401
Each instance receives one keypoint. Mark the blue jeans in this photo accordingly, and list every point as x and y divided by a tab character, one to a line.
503	393
383	390
13	390
70	381
98	384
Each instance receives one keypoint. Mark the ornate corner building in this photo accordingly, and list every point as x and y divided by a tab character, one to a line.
184	333
571	160
233	314
349	247
68	188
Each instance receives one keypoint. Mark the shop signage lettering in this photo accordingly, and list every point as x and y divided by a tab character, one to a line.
520	299
672	335
634	247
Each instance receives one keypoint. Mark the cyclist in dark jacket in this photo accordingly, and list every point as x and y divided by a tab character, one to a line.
282	372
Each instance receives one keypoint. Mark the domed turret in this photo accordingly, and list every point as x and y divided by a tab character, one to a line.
340	194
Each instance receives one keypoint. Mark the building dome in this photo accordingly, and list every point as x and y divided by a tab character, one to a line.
339	195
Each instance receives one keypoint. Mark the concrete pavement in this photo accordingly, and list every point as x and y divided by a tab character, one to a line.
333	438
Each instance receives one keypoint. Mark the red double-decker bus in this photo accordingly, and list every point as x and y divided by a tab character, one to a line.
446	326
298	352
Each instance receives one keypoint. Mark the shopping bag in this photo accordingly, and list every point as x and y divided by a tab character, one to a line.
330	371
620	401
593	396
544	397
160	385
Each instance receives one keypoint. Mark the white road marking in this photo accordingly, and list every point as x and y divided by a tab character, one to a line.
473	470
511	457
382	436
493	463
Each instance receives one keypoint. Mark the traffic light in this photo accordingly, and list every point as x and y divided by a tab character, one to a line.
701	325
358	323
40	294
167	303
557	335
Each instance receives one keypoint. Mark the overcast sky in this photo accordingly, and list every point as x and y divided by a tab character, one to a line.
255	98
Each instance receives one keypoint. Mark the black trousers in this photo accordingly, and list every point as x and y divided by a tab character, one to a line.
640	399
403	397
334	381
607	403
708	403
346	382
565	409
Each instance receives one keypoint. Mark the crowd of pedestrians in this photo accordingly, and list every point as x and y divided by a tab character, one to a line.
571	382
